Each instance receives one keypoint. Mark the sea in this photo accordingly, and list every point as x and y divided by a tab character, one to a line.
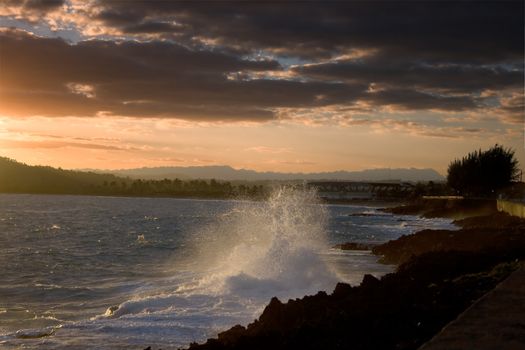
88	272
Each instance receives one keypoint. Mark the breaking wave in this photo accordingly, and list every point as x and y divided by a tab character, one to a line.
255	251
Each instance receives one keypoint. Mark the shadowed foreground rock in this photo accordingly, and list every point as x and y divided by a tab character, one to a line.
446	208
401	311
496	234
441	273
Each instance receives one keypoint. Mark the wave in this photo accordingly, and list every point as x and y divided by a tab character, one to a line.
269	248
254	252
371	213
218	274
36	333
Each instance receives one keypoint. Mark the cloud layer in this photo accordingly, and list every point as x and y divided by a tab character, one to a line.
245	61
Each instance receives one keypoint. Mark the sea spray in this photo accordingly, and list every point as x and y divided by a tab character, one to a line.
163	293
263	249
253	252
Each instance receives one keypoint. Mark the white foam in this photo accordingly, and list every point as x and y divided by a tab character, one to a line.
227	274
256	251
36	333
269	248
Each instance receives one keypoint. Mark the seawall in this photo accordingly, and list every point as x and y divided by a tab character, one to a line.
494	322
512	208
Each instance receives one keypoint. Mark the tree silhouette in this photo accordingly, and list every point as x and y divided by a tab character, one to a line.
482	173
17	177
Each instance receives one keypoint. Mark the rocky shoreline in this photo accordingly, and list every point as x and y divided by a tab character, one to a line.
440	273
445	208
496	234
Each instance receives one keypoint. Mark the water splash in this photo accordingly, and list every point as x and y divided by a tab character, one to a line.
255	251
269	248
189	282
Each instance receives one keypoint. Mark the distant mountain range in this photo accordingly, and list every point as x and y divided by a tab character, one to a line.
228	173
16	177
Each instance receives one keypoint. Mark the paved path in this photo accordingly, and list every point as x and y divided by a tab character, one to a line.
494	322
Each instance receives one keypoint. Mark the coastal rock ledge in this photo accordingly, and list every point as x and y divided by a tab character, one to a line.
402	310
440	274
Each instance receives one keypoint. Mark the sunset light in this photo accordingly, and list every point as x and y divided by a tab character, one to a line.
150	85
262	175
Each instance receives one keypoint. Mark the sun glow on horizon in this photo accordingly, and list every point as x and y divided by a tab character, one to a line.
120	143
105	84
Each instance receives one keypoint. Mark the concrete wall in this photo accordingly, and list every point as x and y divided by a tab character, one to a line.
512	208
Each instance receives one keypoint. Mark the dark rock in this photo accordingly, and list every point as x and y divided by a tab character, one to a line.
506	241
369	281
445	208
494	221
230	336
341	290
400	311
441	273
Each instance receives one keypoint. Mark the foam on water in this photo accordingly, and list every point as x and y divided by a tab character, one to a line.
267	248
36	333
230	260
251	253
254	252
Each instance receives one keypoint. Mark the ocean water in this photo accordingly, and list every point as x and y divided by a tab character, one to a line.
86	272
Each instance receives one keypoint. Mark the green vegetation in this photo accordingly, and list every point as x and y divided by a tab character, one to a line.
483	173
17	177
430	188
479	174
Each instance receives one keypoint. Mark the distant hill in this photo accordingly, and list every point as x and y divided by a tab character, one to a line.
17	177
228	173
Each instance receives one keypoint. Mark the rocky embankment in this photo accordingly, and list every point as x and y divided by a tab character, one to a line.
497	234
440	273
445	208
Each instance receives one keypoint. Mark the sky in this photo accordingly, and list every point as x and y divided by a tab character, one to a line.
270	86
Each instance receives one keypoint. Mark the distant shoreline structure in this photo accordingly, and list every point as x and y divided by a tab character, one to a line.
16	177
229	173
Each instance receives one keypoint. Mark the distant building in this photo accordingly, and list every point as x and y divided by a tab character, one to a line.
348	190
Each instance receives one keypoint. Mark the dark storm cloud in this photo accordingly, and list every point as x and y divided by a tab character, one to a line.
51	77
411	99
33	6
413	48
386	70
152	27
193	59
43	5
32	60
442	31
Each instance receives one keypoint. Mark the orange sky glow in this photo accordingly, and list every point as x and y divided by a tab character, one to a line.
80	90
